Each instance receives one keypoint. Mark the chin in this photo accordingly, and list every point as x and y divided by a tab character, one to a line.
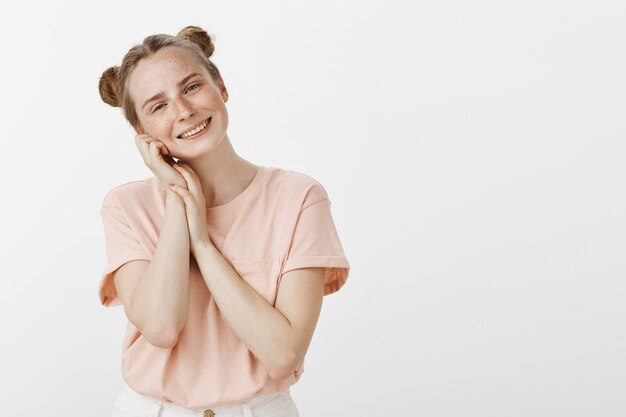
201	146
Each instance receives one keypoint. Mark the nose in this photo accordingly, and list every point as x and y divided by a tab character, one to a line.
183	108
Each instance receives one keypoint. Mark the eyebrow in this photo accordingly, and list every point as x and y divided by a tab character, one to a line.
159	95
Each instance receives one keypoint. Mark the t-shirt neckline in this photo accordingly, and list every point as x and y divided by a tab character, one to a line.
242	196
247	193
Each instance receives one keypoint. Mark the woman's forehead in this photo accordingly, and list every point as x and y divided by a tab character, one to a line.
167	61
167	65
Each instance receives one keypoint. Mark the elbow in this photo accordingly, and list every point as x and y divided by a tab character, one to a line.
284	367
162	338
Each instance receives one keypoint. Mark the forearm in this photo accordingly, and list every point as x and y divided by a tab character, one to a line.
160	300
262	328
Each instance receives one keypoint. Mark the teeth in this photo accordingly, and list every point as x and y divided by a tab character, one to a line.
196	130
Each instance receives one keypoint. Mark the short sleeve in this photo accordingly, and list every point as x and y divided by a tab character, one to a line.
315	243
122	246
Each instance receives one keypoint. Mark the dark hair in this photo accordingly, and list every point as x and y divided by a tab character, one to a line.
114	80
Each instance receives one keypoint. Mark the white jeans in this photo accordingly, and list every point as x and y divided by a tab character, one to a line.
130	403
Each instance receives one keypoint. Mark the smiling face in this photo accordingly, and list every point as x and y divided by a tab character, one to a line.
174	95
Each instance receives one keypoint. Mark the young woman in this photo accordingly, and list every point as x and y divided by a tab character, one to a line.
221	265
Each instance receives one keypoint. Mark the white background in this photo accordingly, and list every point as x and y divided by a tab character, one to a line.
473	154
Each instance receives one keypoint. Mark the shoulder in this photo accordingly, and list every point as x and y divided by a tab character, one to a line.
302	187
131	193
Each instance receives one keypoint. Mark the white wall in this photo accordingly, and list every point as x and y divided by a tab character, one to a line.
471	151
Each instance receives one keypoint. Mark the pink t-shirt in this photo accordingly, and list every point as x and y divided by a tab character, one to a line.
280	222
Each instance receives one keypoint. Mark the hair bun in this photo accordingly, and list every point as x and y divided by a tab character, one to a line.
198	36
108	86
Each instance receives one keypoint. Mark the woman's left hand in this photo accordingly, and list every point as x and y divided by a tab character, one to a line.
195	207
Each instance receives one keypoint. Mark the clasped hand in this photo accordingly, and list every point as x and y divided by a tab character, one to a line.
195	206
180	179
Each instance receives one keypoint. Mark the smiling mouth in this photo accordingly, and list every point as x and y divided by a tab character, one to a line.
197	131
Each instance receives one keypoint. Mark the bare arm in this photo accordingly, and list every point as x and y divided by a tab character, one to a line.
157	301
278	336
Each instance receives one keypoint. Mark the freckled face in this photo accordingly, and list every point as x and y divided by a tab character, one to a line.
183	102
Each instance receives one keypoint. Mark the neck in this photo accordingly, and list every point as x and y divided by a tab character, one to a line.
223	174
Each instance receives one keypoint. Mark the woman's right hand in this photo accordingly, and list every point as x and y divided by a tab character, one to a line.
156	156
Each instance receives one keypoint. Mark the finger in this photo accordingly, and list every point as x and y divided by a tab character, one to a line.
151	150
154	150
193	183
165	153
195	179
182	192
188	168
142	139
144	149
163	150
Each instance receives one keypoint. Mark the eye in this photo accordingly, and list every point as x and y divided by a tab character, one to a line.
192	85
157	107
